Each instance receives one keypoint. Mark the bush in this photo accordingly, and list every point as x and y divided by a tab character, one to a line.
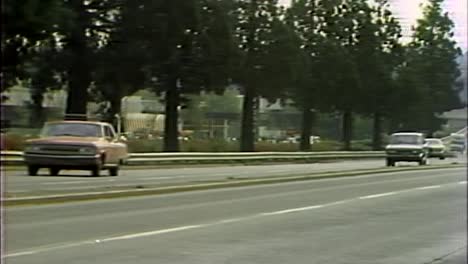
13	141
280	147
144	145
327	145
362	145
216	145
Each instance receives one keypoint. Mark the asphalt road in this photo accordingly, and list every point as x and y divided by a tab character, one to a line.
18	182
402	217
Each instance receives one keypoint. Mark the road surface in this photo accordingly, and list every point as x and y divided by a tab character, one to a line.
402	217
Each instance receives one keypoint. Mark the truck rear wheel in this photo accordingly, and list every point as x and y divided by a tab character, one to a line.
390	163
54	171
114	171
96	171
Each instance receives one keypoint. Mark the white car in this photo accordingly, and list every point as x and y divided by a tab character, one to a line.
436	148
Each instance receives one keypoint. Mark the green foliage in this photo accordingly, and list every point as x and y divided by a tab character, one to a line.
14	141
430	72
268	48
144	145
209	146
328	55
26	24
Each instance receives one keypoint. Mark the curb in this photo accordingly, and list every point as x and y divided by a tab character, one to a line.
35	200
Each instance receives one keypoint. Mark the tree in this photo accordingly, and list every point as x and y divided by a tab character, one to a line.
200	105
314	65
42	70
25	24
265	65
119	69
91	22
378	53
432	68
73	30
341	29
187	47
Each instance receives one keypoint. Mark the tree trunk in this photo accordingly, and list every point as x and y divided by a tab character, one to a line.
308	122
247	131
37	115
377	132
171	132
79	72
430	133
115	107
347	129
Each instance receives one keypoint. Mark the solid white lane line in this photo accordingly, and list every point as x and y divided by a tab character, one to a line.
428	187
377	195
462	182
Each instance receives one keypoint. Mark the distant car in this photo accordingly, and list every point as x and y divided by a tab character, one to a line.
457	143
77	145
436	148
406	147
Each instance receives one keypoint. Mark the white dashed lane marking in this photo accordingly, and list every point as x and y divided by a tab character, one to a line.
377	195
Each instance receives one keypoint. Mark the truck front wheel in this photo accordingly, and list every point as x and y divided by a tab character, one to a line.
390	163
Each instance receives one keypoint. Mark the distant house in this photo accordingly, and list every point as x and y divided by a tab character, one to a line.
456	119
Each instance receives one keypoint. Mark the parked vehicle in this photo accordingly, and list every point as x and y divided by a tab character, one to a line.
406	147
77	145
436	148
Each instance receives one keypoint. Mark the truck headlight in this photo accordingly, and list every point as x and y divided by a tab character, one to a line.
87	150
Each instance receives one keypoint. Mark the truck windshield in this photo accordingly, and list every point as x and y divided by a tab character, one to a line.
406	139
71	129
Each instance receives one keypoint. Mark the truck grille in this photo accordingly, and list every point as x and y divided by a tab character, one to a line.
66	149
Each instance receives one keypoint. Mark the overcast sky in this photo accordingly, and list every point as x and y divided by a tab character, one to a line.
409	11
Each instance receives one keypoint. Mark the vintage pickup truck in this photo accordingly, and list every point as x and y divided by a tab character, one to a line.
407	147
76	145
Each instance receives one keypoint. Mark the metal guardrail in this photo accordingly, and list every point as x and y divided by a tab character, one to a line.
16	157
448	138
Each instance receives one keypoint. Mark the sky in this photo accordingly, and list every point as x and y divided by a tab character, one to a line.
409	11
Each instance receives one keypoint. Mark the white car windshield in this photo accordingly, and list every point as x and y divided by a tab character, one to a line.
71	129
406	139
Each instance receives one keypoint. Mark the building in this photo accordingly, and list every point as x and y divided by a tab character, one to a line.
456	119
